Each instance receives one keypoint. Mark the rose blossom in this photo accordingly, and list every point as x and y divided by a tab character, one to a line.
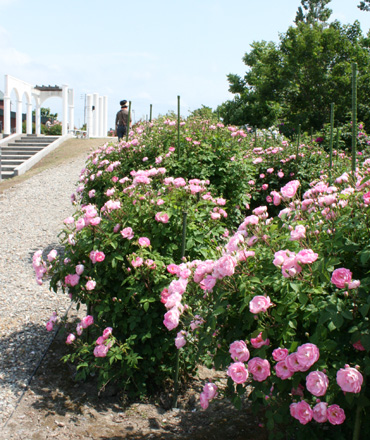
317	383
349	379
259	304
341	277
52	255
301	411
107	332
171	319
259	342
79	269
90	285
307	355
279	354
306	256
225	266
49	326
282	370
70	338
144	241
180	340
259	368
239	351
238	372
204	402
138	261
101	350
298	233
336	415
210	390
162	217
289	190
87	321
127	233
320	412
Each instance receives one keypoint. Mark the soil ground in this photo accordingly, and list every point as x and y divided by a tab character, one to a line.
56	407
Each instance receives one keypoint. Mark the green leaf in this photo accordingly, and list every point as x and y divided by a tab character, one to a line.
146	306
364	310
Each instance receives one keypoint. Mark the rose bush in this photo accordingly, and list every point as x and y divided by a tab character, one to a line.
274	284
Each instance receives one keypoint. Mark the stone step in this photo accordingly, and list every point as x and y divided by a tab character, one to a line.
13	162
20	150
35	140
20	156
28	144
7	174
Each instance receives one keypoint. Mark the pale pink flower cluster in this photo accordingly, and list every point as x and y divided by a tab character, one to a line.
96	256
321	413
39	266
50	324
290	262
103	344
301	360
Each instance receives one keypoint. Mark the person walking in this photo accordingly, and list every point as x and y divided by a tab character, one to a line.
121	120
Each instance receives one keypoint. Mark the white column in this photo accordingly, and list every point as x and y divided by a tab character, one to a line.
18	117
65	109
105	117
38	116
29	118
89	115
71	110
95	114
101	116
7	128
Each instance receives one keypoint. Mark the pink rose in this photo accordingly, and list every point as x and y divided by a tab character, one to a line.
307	355
282	370
171	319
137	262
180	340
164	295
79	269
298	233
173	300
292	362
238	372
99	256
239	351
317	383
79	329
90	285
306	256
72	280
144	241
87	321
107	332
101	350
301	411
259	342
259	304
289	190
349	379
49	326
259	368
178	286
162	217
52	255
341	277
320	412
280	354
70	338
336	415
225	266
100	340
210	390
358	346
173	269
127	233
204	402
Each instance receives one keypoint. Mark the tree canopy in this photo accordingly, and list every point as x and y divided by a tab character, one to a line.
298	78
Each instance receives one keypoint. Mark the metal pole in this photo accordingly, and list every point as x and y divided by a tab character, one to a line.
150	117
178	126
354	115
128	120
331	140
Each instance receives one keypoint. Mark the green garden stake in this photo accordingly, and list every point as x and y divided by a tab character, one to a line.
354	115
255	137
183	246
128	120
337	140
178	126
331	140
150	114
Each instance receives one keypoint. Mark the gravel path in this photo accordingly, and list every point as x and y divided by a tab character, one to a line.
31	216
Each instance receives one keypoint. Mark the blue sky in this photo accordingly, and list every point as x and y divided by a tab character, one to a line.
145	51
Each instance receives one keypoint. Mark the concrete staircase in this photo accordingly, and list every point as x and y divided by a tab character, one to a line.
16	153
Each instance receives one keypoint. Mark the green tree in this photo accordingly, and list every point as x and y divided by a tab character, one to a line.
315	11
296	80
364	5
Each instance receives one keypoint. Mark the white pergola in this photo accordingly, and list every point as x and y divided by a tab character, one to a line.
97	115
40	94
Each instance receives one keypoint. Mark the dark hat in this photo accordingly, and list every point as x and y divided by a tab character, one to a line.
123	103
